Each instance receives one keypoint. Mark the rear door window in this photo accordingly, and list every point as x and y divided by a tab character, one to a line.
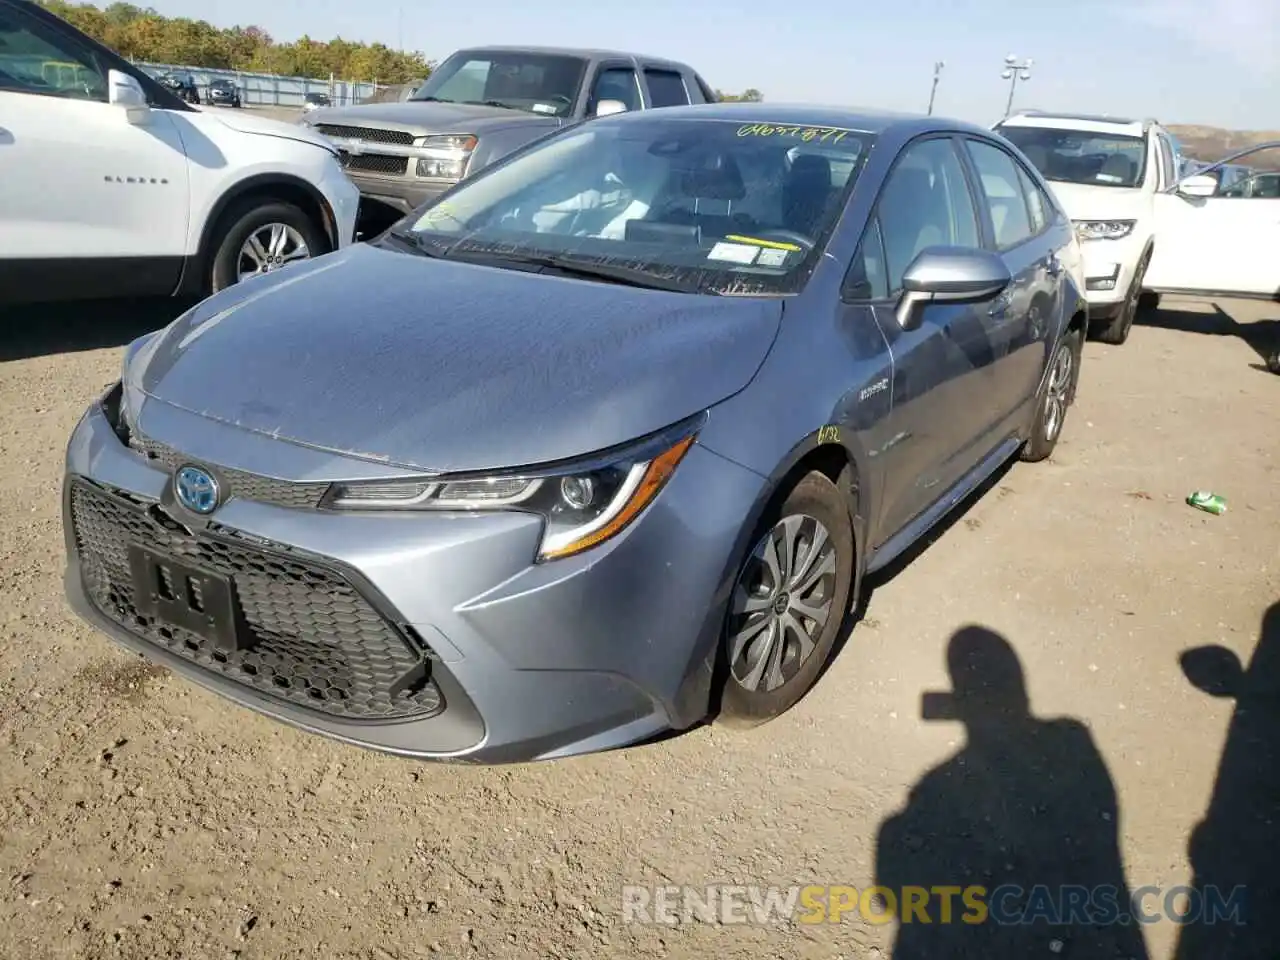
666	88
998	174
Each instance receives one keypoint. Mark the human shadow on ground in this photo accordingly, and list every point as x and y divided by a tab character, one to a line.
1235	849
1026	809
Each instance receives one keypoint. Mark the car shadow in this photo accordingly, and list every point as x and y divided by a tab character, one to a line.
1235	848
1025	810
1263	336
44	329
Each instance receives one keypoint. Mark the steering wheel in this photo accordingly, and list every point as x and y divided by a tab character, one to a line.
561	98
805	243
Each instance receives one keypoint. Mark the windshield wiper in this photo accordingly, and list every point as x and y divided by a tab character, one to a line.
492	103
417	243
588	270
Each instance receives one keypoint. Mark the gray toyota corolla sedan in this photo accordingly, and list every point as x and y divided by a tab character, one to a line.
598	444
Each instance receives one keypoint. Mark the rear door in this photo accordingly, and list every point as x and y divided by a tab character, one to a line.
1019	320
1225	244
940	408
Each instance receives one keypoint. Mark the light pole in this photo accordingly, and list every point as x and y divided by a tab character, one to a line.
1015	70
937	72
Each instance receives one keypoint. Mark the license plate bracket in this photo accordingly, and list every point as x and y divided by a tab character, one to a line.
193	598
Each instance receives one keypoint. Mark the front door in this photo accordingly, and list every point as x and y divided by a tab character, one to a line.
1222	244
80	184
941	368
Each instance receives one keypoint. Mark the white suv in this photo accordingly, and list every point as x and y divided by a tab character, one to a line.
1148	224
1106	173
112	186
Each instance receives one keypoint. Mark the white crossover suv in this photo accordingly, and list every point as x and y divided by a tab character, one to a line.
1149	224
110	185
1106	173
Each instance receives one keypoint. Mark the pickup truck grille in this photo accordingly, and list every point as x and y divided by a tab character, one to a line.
375	163
369	134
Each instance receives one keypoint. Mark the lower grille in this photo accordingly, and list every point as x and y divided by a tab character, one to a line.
309	637
375	163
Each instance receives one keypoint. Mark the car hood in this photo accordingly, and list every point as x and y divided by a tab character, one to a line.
446	366
243	122
1085	202
426	118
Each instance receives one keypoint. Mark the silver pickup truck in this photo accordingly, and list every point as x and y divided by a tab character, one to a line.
481	104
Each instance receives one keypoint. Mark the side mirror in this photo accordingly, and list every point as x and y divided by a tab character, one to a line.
1198	186
606	108
124	91
949	275
1213	670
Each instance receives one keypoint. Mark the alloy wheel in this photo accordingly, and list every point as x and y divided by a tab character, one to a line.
781	603
1057	390
268	248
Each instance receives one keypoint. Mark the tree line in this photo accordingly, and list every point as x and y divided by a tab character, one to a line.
141	33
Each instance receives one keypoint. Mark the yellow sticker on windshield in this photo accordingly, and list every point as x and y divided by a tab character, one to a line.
771	244
807	134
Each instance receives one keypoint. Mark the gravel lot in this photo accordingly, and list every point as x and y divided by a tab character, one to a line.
143	818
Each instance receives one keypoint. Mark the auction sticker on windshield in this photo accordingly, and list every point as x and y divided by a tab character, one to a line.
734	252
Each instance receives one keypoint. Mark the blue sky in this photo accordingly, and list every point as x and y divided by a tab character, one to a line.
1210	62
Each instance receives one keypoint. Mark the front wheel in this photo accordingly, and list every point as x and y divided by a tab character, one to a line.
261	236
1055	397
788	604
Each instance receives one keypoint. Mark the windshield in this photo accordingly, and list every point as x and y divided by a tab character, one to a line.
720	206
540	83
1072	156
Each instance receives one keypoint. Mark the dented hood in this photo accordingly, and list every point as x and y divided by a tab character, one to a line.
448	366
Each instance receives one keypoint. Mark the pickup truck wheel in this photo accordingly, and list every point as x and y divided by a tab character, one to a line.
1055	398
261	236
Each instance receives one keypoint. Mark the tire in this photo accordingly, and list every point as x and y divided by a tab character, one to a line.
251	217
1056	397
797	647
1115	331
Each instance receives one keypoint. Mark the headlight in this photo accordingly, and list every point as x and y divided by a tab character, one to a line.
1104	229
446	157
583	505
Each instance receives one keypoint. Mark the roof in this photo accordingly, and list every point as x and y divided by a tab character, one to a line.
1084	122
808	115
586	53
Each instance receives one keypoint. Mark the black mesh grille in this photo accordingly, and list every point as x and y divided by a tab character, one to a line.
375	163
310	638
371	134
246	486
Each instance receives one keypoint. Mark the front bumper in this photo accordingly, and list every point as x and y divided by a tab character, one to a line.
1109	267
401	194
344	200
530	661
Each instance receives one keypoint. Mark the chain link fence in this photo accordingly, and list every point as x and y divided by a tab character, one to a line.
269	89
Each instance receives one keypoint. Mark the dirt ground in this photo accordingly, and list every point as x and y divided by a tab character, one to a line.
143	818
